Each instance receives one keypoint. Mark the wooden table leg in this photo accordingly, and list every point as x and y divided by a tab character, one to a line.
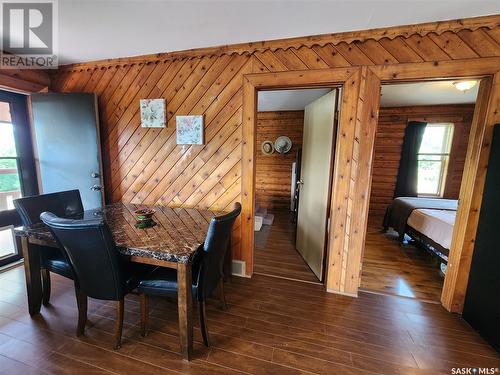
32	274
185	307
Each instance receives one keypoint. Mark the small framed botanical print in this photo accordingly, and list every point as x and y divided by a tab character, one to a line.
189	130
152	113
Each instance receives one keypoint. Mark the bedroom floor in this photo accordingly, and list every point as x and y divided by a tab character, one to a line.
275	253
405	270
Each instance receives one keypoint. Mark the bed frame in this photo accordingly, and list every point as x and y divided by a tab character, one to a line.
428	244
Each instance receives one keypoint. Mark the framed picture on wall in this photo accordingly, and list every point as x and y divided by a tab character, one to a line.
189	130
152	113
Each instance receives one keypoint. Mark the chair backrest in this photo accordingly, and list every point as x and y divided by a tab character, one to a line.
64	203
93	255
217	243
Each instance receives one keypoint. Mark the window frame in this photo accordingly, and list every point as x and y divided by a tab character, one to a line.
25	162
16	158
22	137
445	158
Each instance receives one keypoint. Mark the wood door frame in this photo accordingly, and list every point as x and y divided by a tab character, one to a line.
357	127
353	84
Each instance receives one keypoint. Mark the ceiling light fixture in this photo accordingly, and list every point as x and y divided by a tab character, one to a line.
464	85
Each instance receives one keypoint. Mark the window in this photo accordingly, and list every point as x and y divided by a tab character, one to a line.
433	158
17	169
10	185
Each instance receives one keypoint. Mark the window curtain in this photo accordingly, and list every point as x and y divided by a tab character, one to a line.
407	181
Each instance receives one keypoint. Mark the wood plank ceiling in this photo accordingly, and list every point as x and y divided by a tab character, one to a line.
144	165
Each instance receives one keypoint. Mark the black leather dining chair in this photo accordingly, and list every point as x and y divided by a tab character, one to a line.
99	269
207	272
64	203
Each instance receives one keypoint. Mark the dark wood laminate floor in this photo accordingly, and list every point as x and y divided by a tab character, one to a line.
279	257
273	326
402	270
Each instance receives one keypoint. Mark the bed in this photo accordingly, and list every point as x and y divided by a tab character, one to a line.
428	221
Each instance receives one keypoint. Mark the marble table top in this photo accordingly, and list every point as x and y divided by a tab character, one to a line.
178	232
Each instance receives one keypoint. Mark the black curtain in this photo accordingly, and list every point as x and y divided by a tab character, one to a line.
406	184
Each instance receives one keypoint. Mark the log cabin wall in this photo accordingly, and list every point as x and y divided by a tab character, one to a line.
389	140
25	81
273	173
146	166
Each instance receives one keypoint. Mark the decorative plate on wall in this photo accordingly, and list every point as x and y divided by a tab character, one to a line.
267	147
283	144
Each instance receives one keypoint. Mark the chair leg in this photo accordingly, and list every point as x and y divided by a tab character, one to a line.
203	323
222	298
45	286
144	298
81	301
119	323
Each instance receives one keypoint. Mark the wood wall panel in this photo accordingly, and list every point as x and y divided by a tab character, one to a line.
146	166
25	80
389	140
273	173
351	177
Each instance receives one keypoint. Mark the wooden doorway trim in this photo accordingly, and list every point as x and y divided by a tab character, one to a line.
353	161
356	84
486	115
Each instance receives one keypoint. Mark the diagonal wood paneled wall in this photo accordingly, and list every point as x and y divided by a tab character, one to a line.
146	166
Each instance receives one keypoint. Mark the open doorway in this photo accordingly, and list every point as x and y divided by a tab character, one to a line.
295	139
419	156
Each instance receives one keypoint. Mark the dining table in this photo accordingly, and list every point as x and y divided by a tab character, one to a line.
172	240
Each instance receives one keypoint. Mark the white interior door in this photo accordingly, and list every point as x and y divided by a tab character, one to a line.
319	127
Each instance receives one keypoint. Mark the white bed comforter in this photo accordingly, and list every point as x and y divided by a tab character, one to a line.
435	224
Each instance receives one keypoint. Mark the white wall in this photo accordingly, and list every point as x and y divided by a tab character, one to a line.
99	29
287	100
